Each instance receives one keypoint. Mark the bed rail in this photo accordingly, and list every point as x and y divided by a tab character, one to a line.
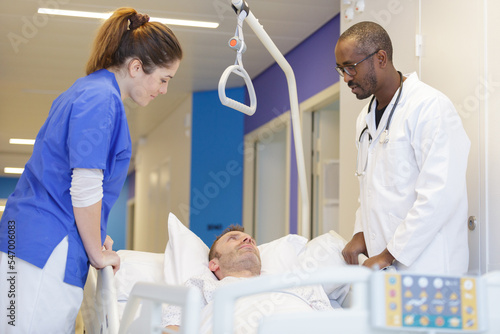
225	297
152	296
99	307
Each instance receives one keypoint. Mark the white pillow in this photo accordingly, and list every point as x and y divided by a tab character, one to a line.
322	252
280	255
186	255
136	267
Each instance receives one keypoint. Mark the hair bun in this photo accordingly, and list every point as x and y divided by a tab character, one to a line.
138	20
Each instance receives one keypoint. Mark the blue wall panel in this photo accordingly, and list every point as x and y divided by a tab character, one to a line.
216	164
117	220
7	186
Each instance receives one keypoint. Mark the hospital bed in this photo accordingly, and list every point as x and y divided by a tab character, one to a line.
366	311
362	297
157	279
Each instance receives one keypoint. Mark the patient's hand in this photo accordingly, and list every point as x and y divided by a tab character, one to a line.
353	248
173	328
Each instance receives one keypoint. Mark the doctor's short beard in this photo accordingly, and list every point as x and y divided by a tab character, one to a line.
366	85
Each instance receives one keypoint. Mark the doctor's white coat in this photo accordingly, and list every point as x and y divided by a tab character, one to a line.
413	196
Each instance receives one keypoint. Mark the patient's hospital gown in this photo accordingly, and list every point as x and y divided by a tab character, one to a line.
249	310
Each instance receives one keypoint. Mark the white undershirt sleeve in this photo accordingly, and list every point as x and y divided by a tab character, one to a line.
86	187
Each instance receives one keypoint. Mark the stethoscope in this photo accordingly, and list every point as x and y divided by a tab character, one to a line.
384	136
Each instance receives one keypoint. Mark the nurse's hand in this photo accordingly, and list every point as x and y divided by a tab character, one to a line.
380	261
108	243
110	258
353	248
88	222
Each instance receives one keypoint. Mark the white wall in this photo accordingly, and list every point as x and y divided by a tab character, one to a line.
163	167
459	56
492	105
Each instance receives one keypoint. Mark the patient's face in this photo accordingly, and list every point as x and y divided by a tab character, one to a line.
238	251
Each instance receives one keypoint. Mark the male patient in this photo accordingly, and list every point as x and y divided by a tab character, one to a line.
234	256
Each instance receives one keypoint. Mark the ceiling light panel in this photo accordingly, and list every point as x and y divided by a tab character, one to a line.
96	15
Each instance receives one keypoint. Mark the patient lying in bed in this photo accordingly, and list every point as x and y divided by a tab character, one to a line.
234	256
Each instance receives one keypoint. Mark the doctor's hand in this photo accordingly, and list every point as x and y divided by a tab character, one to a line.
353	248
380	261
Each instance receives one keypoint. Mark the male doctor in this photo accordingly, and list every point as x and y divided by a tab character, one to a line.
411	163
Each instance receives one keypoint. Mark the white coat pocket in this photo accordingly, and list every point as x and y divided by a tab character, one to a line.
394	163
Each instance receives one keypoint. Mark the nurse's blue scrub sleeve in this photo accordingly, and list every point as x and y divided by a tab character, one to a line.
86	128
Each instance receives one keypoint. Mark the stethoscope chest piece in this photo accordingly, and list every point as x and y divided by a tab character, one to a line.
384	137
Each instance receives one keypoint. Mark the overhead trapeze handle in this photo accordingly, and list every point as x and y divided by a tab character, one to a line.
228	102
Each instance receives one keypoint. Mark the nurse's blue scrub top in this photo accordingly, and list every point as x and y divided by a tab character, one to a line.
86	128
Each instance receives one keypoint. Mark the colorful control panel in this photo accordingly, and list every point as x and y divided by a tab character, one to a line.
420	302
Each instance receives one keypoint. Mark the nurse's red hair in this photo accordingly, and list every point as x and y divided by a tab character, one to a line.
128	34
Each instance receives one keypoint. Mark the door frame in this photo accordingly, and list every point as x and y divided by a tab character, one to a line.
318	101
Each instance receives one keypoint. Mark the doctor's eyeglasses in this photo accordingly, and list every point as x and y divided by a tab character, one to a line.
351	69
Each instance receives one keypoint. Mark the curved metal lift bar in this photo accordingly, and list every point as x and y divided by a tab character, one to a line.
228	102
237	43
240	6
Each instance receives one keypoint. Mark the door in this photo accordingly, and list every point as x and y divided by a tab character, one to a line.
270	195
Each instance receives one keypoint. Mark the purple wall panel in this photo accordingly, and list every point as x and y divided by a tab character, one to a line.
313	62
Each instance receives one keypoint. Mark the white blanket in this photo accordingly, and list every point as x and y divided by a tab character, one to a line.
250	310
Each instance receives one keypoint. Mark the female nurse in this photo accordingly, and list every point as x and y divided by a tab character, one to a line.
54	223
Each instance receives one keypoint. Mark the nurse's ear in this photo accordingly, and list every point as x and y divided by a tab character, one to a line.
134	67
